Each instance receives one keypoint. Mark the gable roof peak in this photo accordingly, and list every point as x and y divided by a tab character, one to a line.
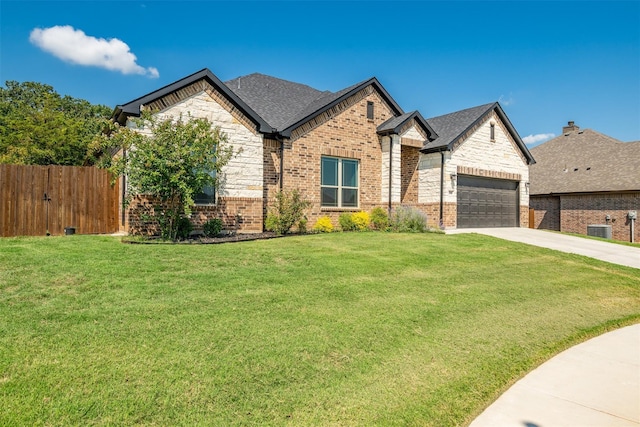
132	108
328	100
454	126
395	124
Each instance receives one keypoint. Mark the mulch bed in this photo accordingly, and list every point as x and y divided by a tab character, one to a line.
201	240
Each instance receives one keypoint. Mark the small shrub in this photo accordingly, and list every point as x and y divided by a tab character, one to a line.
184	228
212	227
346	222
409	219
379	219
302	225
287	210
361	220
323	225
271	223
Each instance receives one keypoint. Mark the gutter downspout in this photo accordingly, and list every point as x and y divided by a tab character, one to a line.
281	139
390	167
441	189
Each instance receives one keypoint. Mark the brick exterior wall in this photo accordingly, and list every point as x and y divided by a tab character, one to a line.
546	212
237	213
578	211
346	133
409	172
572	213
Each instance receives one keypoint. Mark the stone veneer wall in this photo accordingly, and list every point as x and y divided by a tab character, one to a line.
240	198
475	154
396	169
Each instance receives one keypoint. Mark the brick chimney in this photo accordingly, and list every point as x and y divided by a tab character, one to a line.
570	127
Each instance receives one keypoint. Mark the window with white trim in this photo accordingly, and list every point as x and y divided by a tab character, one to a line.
339	182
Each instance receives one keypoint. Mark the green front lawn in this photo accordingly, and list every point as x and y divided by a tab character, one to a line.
338	329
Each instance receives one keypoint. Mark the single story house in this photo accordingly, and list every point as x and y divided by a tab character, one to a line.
350	150
583	178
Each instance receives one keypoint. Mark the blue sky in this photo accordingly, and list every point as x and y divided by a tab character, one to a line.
547	62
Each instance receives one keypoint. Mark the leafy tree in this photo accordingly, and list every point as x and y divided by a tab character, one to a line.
40	127
169	160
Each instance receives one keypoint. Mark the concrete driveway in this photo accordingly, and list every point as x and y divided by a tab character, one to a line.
605	251
594	384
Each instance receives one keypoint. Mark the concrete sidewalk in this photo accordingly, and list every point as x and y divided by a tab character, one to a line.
596	383
605	251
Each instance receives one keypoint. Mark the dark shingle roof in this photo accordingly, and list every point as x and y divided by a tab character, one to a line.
276	100
286	105
394	124
585	161
450	127
275	105
453	126
329	100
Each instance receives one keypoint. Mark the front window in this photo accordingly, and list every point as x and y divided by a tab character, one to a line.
339	182
208	194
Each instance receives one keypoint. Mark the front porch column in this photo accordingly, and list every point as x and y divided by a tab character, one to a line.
391	158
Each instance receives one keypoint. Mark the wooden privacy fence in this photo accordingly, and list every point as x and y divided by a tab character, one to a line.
36	200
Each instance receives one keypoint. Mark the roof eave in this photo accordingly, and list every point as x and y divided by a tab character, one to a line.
584	192
436	149
514	134
132	108
431	134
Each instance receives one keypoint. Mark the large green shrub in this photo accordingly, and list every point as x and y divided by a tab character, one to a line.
379	219
288	209
408	219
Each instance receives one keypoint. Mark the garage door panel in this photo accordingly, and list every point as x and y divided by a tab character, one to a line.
485	202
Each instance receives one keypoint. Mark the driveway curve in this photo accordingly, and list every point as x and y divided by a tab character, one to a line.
594	384
610	252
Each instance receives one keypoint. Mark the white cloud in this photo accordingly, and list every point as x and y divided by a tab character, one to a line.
74	46
506	101
538	138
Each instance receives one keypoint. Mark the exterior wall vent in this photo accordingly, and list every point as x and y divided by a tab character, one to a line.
599	230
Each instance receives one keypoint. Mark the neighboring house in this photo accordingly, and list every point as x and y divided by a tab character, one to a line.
586	178
351	150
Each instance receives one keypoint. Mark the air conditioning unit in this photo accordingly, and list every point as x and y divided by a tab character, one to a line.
599	230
